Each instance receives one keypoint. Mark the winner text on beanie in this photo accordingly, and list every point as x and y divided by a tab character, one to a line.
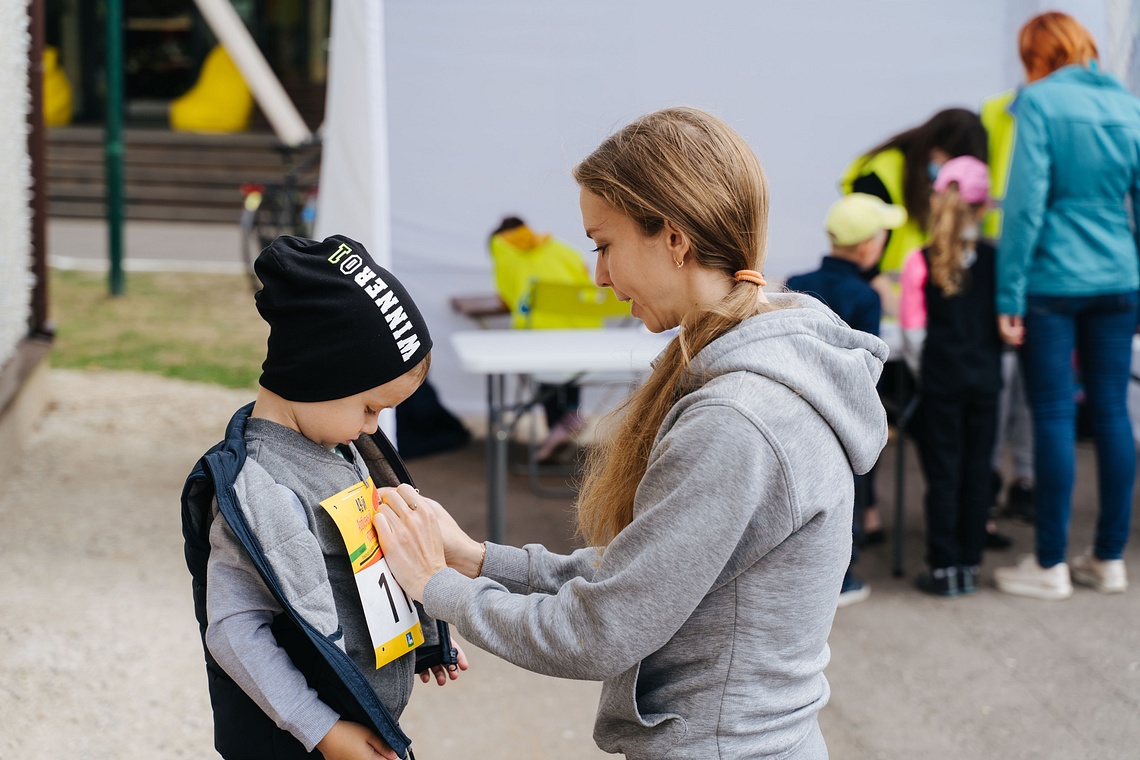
340	324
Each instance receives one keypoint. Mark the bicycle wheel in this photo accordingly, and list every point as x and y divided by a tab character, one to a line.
263	219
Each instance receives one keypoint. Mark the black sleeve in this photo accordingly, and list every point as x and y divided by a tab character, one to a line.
872	185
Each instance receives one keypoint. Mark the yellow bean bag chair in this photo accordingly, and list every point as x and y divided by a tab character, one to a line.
220	101
57	91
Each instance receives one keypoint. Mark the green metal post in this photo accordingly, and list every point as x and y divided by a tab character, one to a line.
114	143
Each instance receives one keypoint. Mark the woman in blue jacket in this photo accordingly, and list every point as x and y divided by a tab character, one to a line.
1068	279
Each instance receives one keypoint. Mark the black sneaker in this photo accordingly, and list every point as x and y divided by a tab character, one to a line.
939	581
1020	504
968	579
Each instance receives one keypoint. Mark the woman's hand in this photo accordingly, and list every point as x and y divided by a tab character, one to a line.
1011	328
410	537
462	552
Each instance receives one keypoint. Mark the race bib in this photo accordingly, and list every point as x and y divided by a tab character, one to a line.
393	623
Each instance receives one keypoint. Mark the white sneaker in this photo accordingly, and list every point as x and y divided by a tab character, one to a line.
1027	578
1107	576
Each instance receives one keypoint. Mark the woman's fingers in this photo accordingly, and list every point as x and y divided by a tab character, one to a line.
401	501
410	538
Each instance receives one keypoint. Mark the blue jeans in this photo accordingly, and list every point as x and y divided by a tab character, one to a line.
1100	329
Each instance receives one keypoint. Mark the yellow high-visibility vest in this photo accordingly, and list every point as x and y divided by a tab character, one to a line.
1001	129
520	258
889	166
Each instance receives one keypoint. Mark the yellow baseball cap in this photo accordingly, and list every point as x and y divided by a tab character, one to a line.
857	217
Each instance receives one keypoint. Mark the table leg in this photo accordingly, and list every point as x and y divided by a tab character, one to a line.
496	460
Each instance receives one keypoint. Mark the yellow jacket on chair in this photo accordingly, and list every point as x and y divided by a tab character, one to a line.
521	258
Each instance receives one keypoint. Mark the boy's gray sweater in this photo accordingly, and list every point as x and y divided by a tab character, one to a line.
708	616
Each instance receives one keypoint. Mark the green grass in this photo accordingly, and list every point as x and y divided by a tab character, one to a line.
200	327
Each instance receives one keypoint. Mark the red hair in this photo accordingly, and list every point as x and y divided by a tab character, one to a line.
1052	40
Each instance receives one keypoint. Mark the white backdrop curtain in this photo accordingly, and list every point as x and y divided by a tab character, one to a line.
353	198
490	104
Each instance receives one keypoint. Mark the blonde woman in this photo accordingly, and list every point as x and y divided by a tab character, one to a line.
718	509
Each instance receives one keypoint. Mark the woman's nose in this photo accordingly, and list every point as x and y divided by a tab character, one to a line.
601	273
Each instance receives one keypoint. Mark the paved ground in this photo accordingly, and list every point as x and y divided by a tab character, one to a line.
100	657
147	246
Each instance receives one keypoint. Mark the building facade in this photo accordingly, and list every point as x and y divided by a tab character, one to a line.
165	43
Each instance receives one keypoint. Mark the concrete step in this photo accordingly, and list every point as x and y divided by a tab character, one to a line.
168	175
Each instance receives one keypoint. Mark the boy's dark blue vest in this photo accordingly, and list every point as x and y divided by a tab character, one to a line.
241	729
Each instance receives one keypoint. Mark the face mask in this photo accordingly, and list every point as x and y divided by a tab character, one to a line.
932	169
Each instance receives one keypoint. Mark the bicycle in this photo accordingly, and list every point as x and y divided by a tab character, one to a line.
272	210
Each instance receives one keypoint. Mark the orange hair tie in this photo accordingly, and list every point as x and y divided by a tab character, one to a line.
751	276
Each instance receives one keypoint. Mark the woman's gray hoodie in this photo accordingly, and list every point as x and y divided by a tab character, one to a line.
708	616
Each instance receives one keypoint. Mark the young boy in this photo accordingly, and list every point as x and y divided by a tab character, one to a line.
310	644
857	225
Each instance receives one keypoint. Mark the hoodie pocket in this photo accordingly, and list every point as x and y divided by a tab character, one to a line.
630	725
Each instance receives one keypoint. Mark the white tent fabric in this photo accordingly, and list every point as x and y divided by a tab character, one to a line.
490	104
353	198
354	161
1123	43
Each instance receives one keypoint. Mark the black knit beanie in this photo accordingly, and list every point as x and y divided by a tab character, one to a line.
339	323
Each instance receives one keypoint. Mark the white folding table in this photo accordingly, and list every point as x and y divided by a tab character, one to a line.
498	353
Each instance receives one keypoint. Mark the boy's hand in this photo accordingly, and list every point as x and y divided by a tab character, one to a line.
352	741
409	535
444	672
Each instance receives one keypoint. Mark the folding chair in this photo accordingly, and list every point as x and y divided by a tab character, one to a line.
570	306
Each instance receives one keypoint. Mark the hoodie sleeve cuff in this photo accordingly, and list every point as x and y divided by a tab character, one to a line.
508	565
447	593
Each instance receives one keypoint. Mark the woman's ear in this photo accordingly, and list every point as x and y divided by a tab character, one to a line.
676	241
